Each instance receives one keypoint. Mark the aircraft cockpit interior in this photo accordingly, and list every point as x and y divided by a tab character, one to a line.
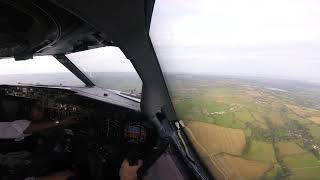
159	90
94	147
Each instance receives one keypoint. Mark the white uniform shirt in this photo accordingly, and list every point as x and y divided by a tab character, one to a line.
14	130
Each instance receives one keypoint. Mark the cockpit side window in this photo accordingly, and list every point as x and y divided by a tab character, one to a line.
244	77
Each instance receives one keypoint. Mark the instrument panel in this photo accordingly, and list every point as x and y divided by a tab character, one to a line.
50	98
106	120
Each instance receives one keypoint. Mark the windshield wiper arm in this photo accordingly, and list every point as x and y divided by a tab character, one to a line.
64	60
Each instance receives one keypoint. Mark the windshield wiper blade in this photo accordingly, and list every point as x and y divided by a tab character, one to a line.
185	150
185	146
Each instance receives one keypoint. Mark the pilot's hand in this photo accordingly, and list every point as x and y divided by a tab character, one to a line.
63	175
69	121
128	172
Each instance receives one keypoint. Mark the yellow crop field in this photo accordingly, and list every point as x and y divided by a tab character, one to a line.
315	119
232	167
215	139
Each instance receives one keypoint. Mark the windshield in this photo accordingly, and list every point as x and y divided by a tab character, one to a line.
108	68
244	78
41	70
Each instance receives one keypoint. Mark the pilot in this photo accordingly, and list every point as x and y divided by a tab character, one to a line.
15	147
19	129
126	172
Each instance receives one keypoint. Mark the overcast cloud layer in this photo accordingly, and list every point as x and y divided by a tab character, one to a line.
268	38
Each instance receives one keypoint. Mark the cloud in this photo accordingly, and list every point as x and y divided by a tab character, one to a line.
270	38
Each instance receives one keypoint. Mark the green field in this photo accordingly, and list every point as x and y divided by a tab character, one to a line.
301	160
307	173
261	151
277	169
202	110
315	131
275	122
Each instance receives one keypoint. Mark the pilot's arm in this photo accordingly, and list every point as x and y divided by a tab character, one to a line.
14	130
19	129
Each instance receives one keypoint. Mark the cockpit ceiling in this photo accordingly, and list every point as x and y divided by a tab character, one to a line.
41	28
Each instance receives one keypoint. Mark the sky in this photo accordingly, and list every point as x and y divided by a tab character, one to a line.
106	59
40	64
268	38
265	38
